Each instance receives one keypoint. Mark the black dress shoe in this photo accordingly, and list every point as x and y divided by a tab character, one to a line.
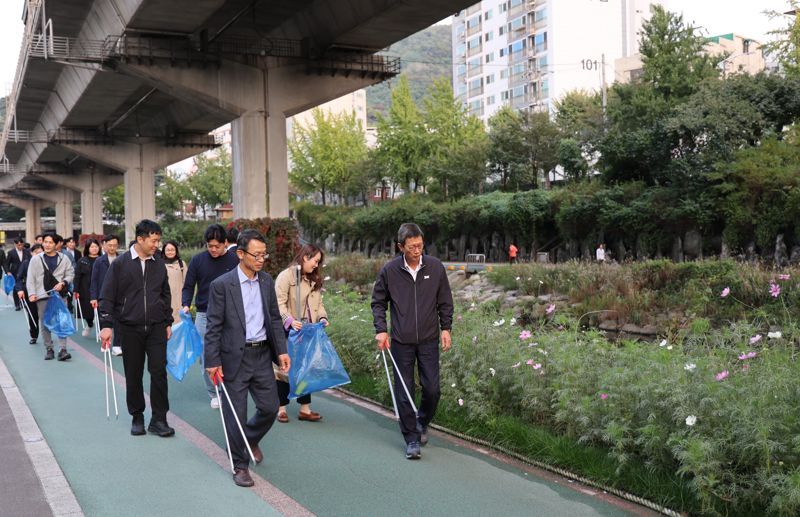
242	478
137	427
32	341
18	309
257	454
160	428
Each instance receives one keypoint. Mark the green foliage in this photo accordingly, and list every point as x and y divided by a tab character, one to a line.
785	42
188	234
172	191
327	155
282	238
212	182
114	203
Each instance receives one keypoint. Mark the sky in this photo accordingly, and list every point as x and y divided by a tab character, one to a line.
716	16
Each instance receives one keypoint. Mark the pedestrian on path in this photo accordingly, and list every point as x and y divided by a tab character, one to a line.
49	275
600	253
512	254
418	294
204	268
244	337
14	259
136	296
99	270
176	270
308	261
21	288
83	281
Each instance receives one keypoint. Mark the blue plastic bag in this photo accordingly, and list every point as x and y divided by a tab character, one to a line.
183	348
57	318
315	364
8	284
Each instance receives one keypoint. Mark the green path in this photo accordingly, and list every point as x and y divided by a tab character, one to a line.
351	463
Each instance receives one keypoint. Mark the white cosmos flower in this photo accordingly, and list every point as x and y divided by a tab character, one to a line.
775	335
492	371
689	367
453	385
663	342
513	321
691	420
499	323
669	347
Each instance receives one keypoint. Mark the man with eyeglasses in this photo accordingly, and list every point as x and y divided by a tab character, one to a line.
418	293
245	336
204	268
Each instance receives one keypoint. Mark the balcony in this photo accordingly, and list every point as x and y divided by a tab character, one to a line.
517	57
475	91
474	51
518	79
472	71
471	31
475	8
517	10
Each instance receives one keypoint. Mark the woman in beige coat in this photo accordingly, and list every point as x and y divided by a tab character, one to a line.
176	272
309	261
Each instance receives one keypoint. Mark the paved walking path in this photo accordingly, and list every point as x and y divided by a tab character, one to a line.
351	463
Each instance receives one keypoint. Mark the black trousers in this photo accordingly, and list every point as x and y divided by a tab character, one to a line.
255	377
141	343
283	394
33	324
426	358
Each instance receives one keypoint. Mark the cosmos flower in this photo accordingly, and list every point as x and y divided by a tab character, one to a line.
550	309
725	292
721	375
691	420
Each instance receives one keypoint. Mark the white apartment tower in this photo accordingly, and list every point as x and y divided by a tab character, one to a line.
529	53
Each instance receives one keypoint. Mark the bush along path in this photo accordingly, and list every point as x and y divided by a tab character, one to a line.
702	420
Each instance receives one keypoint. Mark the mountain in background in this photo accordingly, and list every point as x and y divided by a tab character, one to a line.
425	57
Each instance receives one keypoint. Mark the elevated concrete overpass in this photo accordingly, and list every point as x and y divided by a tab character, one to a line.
108	91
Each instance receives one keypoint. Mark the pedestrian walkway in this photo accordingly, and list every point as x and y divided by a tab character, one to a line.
351	463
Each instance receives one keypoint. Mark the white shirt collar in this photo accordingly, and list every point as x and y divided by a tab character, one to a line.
135	255
405	263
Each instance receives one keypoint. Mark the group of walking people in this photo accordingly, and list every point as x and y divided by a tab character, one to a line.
243	316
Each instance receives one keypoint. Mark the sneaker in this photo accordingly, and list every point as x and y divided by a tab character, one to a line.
413	451
137	426
115	350
160	428
215	403
49	355
423	434
63	355
85	332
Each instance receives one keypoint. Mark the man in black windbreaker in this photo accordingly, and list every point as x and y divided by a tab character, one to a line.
422	314
135	301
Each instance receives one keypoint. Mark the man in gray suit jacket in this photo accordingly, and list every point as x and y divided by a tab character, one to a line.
244	336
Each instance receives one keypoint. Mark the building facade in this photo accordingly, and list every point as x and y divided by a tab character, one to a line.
528	53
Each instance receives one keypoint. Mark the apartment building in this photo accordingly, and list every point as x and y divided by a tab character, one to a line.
529	53
738	55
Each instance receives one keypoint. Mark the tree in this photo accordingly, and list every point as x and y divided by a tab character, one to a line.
171	192
570	156
403	140
542	137
212	182
457	143
579	116
673	56
326	153
506	155
786	46
114	203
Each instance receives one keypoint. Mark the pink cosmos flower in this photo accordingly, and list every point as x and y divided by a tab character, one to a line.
784	277
748	355
550	309
755	339
460	402
537	366
525	334
725	292
774	290
603	396
529	362
458	318
721	375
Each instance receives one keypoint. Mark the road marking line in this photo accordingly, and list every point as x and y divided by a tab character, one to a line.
57	491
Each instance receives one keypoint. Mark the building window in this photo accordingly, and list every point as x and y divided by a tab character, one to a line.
490	100
517	23
503	73
502	30
473	22
540	42
504	95
488	36
490	57
540	15
487	15
502	52
461	69
461	50
474	43
513	3
490	79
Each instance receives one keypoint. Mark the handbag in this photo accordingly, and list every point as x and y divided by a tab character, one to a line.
50	280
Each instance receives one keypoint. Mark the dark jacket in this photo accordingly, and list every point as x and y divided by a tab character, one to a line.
131	298
83	277
13	262
99	271
419	309
204	269
225	332
22	277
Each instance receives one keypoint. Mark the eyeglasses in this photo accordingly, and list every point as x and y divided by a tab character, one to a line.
414	247
262	257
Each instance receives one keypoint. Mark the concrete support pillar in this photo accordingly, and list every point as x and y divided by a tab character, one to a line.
64	225
140	199
278	166
33	220
91	185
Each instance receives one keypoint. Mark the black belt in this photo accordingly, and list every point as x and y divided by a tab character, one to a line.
255	344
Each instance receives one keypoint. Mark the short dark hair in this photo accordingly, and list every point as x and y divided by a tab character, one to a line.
57	238
215	232
408	231
36	246
19	240
52	237
146	228
232	236
245	236
68	240
110	237
88	244
39	235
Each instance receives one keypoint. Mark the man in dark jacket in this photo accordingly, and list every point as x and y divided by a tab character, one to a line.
21	289
422	313
136	297
99	270
14	260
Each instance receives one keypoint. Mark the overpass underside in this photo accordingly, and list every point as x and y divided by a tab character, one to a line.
109	92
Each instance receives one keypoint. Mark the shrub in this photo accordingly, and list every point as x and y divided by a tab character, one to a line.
282	240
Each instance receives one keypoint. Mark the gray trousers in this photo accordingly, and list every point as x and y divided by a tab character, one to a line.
255	377
41	305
